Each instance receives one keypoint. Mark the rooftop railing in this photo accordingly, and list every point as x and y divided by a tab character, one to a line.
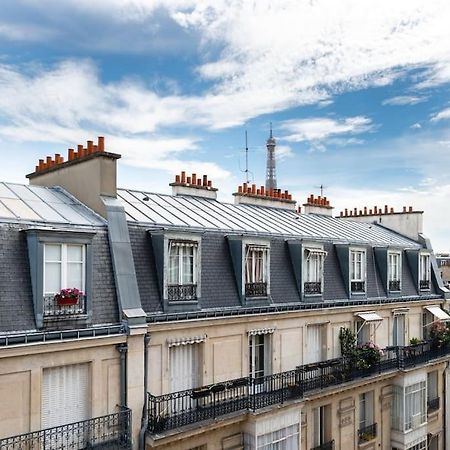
53	309
256	289
181	292
112	432
190	406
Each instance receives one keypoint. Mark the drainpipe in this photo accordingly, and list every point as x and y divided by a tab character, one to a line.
123	349
144	421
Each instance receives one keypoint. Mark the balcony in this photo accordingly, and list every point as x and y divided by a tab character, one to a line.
368	433
326	446
394	285
424	285
54	310
312	287
358	287
170	411
256	289
181	292
110	432
433	405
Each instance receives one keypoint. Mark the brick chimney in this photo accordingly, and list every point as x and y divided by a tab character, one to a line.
406	222
88	173
317	205
193	186
272	198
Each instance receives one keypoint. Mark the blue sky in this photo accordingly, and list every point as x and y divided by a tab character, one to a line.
358	93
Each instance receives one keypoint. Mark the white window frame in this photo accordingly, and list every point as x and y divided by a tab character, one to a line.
425	269
182	245
255	341
395	328
251	251
321	429
284	438
256	243
395	269
416	407
366	409
422	445
353	275
313	267
64	265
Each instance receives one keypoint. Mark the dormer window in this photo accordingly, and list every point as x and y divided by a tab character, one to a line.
182	271
256	270
394	271
357	271
313	272
424	272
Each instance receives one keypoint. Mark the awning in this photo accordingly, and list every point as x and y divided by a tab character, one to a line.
261	331
186	340
438	312
369	316
315	252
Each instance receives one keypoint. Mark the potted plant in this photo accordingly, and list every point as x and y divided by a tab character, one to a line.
439	334
68	297
368	355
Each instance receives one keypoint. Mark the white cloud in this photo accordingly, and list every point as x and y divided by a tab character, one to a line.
24	32
416	126
402	100
441	115
283	152
321	128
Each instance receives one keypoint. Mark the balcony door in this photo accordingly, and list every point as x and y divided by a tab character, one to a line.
314	351
185	366
259	357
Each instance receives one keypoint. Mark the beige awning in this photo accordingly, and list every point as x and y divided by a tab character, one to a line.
370	316
437	312
186	340
261	331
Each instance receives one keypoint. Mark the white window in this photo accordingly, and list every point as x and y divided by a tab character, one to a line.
185	366
256	270
415	405
424	271
313	273
315	344
399	330
365	410
259	355
64	267
357	271
182	270
321	425
394	271
365	331
284	439
422	445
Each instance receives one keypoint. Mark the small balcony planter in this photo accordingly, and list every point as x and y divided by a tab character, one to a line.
68	297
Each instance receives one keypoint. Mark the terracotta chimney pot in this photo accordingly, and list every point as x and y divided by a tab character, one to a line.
101	144
392	210
194	178
90	147
341	214
410	209
365	210
404	209
346	212
199	181
205	180
385	209
188	180
183	177
209	183
177	178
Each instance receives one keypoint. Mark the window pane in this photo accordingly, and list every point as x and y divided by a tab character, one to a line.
52	278
75	253
74	275
174	265
188	265
53	252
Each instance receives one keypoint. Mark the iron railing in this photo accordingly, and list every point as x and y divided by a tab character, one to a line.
358	286
394	285
181	292
312	287
112	432
256	289
54	310
326	446
424	284
433	405
367	433
190	406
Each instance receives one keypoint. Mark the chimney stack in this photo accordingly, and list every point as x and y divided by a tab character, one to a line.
318	205
272	198
88	173
193	186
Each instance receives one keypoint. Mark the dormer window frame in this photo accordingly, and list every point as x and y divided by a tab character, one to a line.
314	256
255	285
424	271
357	277
394	275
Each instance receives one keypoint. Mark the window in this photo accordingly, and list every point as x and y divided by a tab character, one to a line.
432	392
315	339
422	445
365	410
365	331
64	267
185	366
259	356
321	425
399	330
256	270
424	272
357	271
394	271
284	439
182	270
409	410
313	273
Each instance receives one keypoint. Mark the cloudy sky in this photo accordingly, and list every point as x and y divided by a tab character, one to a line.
357	91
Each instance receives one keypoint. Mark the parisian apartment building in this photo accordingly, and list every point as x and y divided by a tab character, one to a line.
140	320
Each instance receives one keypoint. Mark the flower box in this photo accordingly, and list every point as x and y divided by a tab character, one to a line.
66	301
68	297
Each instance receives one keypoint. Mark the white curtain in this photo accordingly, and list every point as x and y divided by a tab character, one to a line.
313	344
184	367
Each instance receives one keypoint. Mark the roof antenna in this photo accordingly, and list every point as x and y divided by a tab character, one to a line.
321	187
246	171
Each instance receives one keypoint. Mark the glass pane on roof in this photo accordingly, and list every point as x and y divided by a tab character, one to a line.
20	209
45	211
22	191
71	215
5	192
133	208
5	212
48	195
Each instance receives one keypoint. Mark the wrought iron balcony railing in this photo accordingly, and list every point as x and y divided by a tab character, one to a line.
187	407
433	405
256	289
52	309
358	287
424	285
312	287
368	433
326	446
112	432
181	292
394	285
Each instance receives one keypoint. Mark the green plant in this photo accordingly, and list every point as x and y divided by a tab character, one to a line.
439	334
347	340
414	341
368	355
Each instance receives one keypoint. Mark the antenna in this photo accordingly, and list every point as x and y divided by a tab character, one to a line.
246	170
321	187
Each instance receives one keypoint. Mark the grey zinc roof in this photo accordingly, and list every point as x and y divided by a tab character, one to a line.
197	213
19	202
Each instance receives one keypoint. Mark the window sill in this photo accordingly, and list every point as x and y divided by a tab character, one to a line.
182	302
